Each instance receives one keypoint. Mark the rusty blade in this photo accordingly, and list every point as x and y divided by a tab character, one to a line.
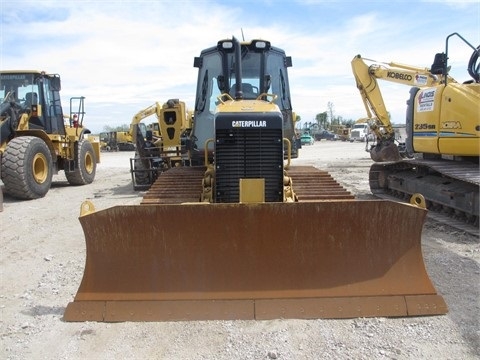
176	257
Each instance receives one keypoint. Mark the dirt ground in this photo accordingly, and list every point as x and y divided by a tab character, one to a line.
42	258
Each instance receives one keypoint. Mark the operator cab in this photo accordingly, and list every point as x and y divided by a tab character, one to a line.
37	94
263	70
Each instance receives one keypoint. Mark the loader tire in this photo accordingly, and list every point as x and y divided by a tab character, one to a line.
86	164
27	168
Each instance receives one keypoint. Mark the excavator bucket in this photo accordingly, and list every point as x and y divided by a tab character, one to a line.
385	151
322	259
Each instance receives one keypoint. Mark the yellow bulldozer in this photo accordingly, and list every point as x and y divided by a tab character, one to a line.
237	231
37	139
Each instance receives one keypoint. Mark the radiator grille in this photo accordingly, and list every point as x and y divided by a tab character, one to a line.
248	153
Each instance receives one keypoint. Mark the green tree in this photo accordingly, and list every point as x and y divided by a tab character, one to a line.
124	127
322	119
348	123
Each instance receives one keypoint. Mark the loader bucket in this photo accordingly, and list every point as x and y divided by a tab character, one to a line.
329	259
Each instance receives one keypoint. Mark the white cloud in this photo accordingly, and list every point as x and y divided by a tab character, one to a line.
123	56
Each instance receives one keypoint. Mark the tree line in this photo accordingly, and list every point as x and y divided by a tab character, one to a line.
327	118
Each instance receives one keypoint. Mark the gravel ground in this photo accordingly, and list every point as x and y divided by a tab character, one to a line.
42	264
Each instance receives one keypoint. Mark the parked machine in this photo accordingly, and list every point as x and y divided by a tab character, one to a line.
233	231
117	141
342	132
163	145
440	157
361	131
37	139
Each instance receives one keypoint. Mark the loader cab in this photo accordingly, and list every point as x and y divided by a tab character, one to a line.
36	94
263	69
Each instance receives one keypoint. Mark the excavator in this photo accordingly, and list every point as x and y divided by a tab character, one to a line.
440	157
162	146
233	230
37	139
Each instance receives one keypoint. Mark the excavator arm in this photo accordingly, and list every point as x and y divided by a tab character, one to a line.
366	73
141	115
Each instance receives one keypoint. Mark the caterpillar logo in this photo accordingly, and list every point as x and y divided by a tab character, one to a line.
13	77
251	123
451	125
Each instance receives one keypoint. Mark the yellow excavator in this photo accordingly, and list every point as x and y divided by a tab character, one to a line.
440	157
163	145
235	231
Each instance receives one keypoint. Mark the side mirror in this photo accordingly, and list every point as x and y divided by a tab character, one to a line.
268	81
55	82
221	82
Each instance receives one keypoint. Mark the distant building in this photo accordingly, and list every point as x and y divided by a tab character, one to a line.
400	132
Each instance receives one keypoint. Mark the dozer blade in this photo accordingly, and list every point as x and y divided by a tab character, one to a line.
263	261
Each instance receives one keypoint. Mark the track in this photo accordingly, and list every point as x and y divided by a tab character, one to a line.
451	188
312	184
176	185
184	184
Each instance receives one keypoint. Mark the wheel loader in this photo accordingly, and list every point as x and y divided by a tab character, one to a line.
37	139
238	232
440	155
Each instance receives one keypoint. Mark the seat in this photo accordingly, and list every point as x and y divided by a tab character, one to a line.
35	121
247	89
31	98
438	64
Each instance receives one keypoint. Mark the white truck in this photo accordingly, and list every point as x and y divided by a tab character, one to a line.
361	132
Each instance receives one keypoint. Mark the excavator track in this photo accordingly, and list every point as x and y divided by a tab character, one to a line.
184	185
450	188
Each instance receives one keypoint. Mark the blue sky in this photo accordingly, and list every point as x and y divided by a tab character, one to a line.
125	55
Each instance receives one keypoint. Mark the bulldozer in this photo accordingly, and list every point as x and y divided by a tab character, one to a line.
238	232
37	139
440	156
